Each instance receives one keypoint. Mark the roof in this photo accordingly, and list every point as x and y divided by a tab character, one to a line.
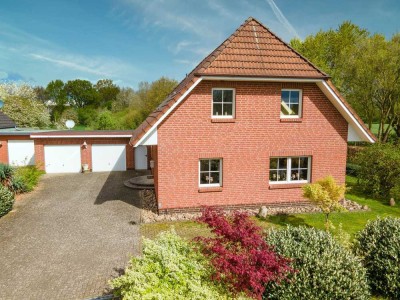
251	51
6	122
83	134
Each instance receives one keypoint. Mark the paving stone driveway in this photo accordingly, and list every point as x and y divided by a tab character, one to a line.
69	237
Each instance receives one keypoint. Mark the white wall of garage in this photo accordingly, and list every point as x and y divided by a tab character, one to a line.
108	157
62	158
21	153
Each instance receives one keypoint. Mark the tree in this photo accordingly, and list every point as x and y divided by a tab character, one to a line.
241	257
326	194
21	105
107	91
125	98
81	93
57	95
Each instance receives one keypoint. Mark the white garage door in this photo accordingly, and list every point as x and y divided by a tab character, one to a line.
141	158
108	158
62	159
21	153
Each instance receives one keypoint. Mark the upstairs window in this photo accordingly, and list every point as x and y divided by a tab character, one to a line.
210	172
291	103
223	103
289	169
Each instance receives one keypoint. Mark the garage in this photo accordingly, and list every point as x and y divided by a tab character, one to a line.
108	157
62	158
21	152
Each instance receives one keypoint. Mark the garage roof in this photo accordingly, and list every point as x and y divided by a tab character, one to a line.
83	134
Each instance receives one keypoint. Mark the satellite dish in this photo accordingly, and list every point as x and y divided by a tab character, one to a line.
70	124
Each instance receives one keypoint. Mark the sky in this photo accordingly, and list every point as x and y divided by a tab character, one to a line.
130	41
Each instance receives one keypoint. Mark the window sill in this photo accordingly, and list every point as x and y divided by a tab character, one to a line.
291	120
210	189
223	120
276	186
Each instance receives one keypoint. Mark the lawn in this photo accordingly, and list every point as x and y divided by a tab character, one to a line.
351	221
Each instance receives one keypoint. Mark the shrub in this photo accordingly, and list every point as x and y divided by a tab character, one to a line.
379	246
324	269
352	169
379	171
326	194
6	200
241	257
6	174
170	268
18	186
29	177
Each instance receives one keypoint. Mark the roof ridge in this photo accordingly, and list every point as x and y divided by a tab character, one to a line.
290	47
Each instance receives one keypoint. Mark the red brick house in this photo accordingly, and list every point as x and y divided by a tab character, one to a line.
248	126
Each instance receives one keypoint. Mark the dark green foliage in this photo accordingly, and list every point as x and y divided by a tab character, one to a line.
6	200
379	171
325	270
352	169
6	174
379	246
18	186
29	177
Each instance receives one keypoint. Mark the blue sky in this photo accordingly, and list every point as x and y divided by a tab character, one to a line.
141	40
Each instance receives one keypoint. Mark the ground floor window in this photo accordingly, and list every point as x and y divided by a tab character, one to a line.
289	169
210	172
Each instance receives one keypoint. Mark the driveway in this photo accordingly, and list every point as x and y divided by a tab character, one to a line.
69	237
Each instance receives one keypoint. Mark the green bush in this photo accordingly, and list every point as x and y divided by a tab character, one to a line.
379	171
28	177
325	270
352	169
6	174
379	246
6	200
18	186
170	268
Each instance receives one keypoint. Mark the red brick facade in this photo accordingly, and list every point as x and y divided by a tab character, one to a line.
246	144
86	153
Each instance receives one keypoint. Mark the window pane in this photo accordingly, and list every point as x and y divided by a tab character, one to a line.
273	163
228	96
214	177
303	162
285	96
285	109
295	175
295	162
217	95
282	163
294	97
215	164
303	174
204	165
273	176
228	109
294	109
204	178
217	109
282	175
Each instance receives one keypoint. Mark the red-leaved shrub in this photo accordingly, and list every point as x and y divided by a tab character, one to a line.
241	257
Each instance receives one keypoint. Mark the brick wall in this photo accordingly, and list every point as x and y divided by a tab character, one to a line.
246	145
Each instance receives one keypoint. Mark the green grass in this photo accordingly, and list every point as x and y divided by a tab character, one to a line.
375	128
80	127
351	221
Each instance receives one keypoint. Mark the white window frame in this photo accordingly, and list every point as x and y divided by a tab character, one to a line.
299	115
220	173
289	170
233	103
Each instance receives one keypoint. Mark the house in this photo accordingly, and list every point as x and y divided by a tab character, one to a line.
6	122
251	124
68	151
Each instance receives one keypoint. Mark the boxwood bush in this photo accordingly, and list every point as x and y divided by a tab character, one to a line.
379	246
6	200
325	270
169	268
